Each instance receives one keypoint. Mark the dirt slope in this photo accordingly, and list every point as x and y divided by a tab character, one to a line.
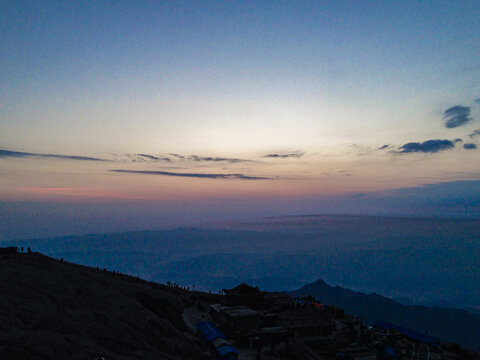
50	309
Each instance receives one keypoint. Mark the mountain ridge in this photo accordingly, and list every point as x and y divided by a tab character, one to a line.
454	325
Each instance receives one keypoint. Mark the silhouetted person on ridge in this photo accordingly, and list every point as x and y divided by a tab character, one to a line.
21	249
29	250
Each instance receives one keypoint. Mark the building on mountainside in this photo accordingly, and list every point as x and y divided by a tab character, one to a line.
356	352
399	342
275	326
247	295
308	322
239	319
269	336
336	311
210	331
218	340
252	297
227	353
278	301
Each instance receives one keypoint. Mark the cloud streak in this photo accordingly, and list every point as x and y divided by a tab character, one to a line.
178	156
153	157
197	158
141	157
470	146
456	116
293	154
475	133
19	154
192	175
429	146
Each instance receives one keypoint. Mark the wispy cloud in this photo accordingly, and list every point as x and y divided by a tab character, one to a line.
429	146
19	154
195	158
363	150
178	156
293	154
215	159
456	116
359	195
344	173
475	133
141	157
192	175
153	157
470	146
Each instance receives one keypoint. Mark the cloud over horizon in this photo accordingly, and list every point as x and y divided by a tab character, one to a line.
470	146
293	154
153	157
139	157
474	133
383	147
215	159
456	116
20	154
192	175
429	146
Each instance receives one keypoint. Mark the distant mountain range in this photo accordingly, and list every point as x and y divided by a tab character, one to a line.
427	260
452	325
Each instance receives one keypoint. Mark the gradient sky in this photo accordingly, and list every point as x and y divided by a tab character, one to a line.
184	101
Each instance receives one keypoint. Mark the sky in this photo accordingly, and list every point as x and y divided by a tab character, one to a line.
200	107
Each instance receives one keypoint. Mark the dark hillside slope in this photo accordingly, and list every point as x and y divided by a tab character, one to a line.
52	309
452	325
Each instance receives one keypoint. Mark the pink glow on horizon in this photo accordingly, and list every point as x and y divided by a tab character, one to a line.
81	192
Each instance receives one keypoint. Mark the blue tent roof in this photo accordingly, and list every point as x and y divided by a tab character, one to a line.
390	351
427	339
210	331
224	350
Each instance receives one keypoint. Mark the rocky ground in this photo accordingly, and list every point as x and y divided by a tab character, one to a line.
51	309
